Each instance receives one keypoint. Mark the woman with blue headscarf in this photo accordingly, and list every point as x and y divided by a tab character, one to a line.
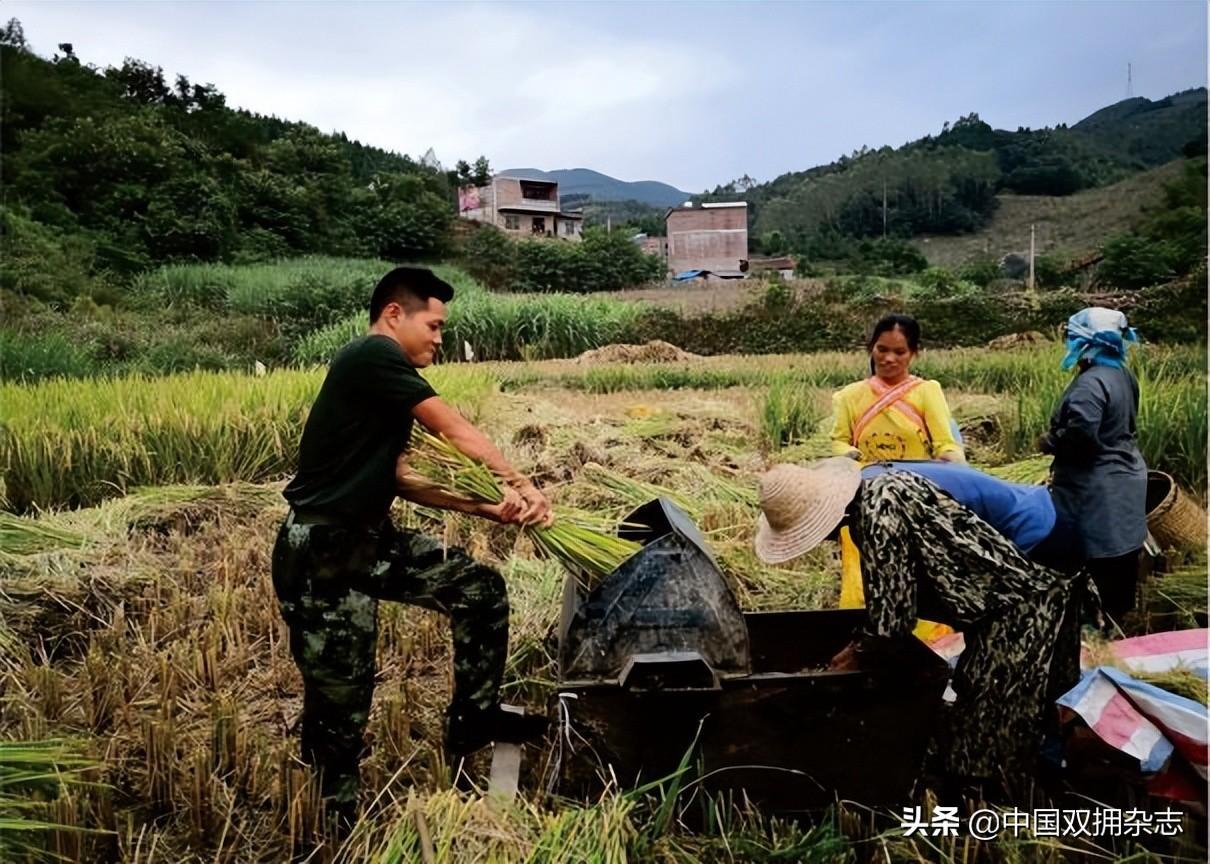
1099	479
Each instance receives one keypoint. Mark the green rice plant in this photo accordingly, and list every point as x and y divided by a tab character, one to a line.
31	774
1029	471
580	542
789	413
73	443
664	376
974	369
1022	427
262	288
636	492
20	535
502	326
447	828
1172	426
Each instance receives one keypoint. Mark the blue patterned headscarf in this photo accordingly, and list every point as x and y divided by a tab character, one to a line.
1099	336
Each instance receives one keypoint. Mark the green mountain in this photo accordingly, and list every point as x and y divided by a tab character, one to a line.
952	183
1151	132
581	184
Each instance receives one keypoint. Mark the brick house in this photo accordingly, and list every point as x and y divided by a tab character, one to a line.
710	237
520	207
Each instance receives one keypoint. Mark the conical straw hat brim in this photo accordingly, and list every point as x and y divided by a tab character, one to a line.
832	491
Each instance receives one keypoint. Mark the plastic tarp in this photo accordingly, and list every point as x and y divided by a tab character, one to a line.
1158	728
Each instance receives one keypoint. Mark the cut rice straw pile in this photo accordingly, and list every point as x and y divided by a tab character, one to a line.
1180	680
1033	470
580	542
23	536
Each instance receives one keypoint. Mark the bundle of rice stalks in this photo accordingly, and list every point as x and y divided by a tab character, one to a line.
31	774
580	542
1033	470
23	536
730	491
636	492
1182	682
653	426
1175	599
1179	680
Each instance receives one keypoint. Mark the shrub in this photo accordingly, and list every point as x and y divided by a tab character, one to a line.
939	283
490	257
1132	262
980	270
27	357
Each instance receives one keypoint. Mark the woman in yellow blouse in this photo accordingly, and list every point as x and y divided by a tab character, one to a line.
891	415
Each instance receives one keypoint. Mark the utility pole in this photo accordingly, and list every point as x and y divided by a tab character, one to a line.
1129	82
883	209
1031	256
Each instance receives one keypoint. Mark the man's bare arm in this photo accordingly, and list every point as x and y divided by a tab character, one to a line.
440	418
413	486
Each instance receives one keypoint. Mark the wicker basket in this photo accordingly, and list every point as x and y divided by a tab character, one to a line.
1173	518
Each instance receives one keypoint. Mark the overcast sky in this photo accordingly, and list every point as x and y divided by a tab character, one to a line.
693	94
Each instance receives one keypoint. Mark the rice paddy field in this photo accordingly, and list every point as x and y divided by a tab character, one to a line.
148	703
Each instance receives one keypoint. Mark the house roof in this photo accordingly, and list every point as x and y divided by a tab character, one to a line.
777	262
712	205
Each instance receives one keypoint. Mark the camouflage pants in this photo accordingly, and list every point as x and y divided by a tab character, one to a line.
329	580
925	555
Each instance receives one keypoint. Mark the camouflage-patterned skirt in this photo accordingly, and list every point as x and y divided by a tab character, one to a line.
926	555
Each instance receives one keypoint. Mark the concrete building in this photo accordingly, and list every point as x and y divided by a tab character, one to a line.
522	208
657	246
710	237
782	265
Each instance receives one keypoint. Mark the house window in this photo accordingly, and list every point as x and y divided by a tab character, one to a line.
569	228
537	191
512	221
539	226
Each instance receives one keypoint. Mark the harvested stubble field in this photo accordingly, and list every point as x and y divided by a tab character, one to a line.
141	632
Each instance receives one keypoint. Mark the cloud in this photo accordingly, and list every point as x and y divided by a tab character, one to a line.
691	94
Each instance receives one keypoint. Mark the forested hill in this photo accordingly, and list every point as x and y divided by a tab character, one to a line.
948	183
130	170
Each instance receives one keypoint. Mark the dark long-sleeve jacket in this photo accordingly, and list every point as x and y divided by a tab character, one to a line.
1100	479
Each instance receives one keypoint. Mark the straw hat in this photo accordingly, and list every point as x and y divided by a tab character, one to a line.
801	505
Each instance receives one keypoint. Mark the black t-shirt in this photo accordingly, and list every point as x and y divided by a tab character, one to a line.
360	423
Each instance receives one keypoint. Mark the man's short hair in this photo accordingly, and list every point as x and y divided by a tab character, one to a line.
411	288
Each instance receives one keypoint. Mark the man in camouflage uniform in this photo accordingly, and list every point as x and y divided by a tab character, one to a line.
337	553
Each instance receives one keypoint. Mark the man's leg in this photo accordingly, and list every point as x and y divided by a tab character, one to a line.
416	569
333	632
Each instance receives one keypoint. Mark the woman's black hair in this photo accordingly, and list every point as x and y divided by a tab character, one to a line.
906	323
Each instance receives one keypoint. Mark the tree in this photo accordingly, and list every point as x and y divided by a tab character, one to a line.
490	257
482	172
143	83
12	35
1133	262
